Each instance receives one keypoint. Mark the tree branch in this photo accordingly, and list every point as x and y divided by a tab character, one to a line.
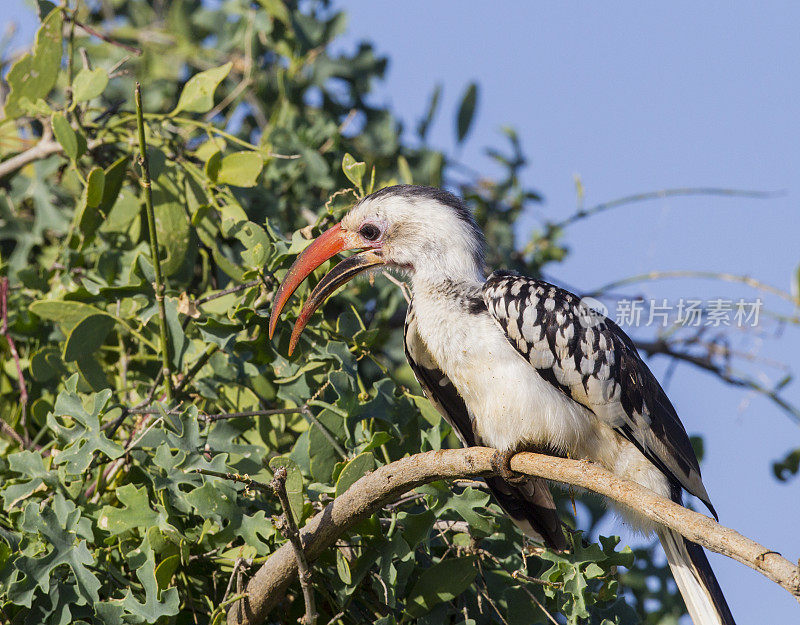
373	491
159	285
288	527
43	149
23	389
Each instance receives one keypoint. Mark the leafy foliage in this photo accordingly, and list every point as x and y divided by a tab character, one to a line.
112	508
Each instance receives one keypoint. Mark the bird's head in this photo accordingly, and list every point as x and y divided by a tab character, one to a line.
424	232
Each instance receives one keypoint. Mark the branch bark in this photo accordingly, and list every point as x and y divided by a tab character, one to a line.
288	527
373	491
43	149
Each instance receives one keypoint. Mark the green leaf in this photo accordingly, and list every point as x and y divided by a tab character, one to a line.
87	336
68	314
114	176
466	111
443	581
43	8
240	169
198	93
277	9
65	135
166	569
34	473
796	284
354	171
294	484
134	513
5	553
35	74
177	335
95	187
416	527
172	230
59	526
218	332
46	364
86	218
353	471
210	147
343	568
121	215
213	163
92	373
426	409
323	456
84	437
158	603
39	108
469	505
789	466
406	176
433	104
88	84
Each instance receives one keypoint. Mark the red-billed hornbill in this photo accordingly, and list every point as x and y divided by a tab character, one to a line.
517	364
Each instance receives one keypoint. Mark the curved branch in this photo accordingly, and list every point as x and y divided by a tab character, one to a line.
41	150
373	491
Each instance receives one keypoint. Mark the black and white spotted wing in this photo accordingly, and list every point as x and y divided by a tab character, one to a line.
530	504
591	360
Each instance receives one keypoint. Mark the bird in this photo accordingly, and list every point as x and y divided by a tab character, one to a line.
517	364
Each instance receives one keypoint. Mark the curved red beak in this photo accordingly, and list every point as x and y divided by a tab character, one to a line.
327	245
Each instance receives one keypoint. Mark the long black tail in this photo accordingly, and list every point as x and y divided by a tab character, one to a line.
530	505
696	580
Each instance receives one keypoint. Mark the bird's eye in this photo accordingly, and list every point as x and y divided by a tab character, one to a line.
370	232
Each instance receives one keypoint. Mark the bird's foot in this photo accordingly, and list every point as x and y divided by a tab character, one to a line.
501	463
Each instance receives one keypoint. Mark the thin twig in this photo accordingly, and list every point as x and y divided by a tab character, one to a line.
535	580
228	291
328	144
492	603
236	566
199	364
153	389
23	389
151	225
221	416
43	149
654	195
288	528
208	418
402	285
247	74
540	605
138	440
107	39
237	477
70	60
5	427
335	617
660	346
306	412
703	275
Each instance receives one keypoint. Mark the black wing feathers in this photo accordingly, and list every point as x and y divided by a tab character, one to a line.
591	360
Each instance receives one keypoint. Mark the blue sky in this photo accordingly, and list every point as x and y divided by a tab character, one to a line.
637	97
633	98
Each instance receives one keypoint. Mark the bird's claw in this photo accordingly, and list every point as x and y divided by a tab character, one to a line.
501	463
